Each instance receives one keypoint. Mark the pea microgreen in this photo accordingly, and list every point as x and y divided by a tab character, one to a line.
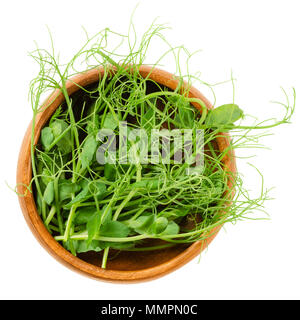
88	205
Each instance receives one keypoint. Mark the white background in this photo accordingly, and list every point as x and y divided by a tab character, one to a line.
259	42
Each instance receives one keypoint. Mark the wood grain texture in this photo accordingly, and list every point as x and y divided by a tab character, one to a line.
127	267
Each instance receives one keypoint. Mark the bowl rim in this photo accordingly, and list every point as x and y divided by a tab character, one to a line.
36	224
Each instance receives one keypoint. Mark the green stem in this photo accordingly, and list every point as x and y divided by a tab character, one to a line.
34	170
50	215
57	204
57	139
163	246
104	258
83	236
125	201
69	222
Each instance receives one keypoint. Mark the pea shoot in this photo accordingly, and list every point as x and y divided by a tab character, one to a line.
94	200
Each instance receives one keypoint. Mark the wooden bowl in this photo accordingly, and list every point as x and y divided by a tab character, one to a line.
127	266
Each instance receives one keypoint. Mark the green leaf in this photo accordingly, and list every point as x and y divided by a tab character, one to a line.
97	246
148	119
171	229
46	176
174	212
97	188
71	245
47	137
223	115
39	202
58	127
93	188
110	122
65	143
94	245
88	151
66	188
109	172
93	226
114	229
96	220
159	225
92	127
186	116
106	215
80	197
119	245
149	184
49	193
186	113
84	214
141	224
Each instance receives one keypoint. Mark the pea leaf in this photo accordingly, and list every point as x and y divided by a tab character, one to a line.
119	245
97	188
46	176
66	188
149	184
141	224
148	119
159	225
84	214
171	229
114	229
38	202
223	115
106	215
49	193
89	189
186	115
110	122
109	172
94	245
88	151
93	226
97	246
96	220
65	143
47	137
81	196
71	245
58	127
175	212
92	126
